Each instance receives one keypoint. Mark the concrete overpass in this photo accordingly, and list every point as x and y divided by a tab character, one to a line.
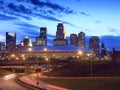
26	66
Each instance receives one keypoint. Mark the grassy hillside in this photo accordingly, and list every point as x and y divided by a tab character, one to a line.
84	68
86	84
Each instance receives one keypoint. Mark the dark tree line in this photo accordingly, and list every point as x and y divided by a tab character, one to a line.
115	55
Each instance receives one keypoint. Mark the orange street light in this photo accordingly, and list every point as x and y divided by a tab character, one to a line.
29	49
13	55
80	52
88	54
45	49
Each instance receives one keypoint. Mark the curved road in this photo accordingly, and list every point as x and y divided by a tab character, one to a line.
8	83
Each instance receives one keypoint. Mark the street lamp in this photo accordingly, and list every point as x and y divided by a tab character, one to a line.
21	57
13	55
91	68
47	61
37	83
29	49
46	58
45	49
80	53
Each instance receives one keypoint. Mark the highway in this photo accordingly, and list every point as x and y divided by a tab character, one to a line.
8	83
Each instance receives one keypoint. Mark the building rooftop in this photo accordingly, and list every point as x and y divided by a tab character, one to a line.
57	49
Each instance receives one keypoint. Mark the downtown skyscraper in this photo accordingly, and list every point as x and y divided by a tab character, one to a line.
73	39
60	36
42	39
10	41
94	44
81	39
27	41
103	50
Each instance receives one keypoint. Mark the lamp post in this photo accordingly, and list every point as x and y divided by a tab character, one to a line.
46	58
37	83
20	63
80	53
47	61
37	68
91	68
17	64
17	59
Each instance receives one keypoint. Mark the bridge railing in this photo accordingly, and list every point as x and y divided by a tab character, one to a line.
20	62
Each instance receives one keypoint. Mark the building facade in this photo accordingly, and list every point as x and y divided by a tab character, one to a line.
2	47
42	39
73	39
103	50
27	41
81	39
60	36
10	41
57	52
94	44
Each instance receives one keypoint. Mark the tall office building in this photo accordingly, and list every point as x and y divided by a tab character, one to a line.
27	41
94	44
81	39
103	50
42	39
2	46
10	41
60	36
73	39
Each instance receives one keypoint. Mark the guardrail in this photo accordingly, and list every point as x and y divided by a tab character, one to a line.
17	63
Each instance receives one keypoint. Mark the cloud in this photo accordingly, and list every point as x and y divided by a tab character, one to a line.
38	10
1	2
114	31
51	36
53	6
49	5
50	39
23	16
27	28
22	10
85	14
23	24
6	17
53	19
15	11
19	8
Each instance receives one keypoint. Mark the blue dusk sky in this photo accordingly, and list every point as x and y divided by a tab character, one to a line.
93	17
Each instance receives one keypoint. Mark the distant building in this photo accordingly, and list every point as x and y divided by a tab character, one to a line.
27	41
94	44
10	41
73	39
103	50
2	47
42	39
57	52
60	36
81	39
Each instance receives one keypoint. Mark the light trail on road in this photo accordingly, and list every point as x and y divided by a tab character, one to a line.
8	83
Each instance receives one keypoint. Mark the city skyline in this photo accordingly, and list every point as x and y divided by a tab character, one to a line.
95	18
